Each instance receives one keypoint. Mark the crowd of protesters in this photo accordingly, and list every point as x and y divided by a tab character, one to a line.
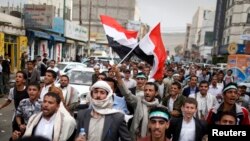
125	104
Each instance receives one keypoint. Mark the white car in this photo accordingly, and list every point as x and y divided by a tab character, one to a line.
81	80
64	67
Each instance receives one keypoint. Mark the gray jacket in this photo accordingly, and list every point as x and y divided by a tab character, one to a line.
114	128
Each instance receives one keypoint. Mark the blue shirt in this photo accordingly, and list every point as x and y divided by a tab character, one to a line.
120	104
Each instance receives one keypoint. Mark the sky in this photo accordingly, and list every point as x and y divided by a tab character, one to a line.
172	14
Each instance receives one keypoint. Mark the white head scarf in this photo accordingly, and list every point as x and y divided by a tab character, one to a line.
104	106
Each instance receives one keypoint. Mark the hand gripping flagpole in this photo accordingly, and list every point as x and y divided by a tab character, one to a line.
127	55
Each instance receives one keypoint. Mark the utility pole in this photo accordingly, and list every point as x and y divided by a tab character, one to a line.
64	9
89	26
80	12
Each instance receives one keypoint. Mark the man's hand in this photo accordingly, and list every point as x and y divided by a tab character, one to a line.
81	138
175	113
15	135
22	128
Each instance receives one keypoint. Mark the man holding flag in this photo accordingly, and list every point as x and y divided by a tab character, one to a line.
150	49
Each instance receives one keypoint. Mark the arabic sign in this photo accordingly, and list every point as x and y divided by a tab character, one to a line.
38	16
75	31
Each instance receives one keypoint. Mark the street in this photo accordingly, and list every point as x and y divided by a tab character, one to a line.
5	120
6	115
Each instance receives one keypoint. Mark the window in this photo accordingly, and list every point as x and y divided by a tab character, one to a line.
248	18
230	21
228	38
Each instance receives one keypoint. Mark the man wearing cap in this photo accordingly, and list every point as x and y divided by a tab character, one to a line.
158	124
244	99
102	122
229	104
141	80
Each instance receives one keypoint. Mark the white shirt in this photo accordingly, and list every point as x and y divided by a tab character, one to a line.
187	131
1	68
215	90
161	89
44	91
171	104
45	127
205	103
131	83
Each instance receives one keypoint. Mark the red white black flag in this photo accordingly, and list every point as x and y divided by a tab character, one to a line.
151	49
120	39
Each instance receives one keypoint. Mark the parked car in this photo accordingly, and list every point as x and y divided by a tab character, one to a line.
64	67
81	80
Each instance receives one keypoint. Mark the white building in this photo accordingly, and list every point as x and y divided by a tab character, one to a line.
237	22
202	20
205	40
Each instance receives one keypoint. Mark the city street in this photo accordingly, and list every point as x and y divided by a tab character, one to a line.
6	116
5	120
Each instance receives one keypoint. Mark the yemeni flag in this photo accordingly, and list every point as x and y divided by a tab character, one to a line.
151	49
121	40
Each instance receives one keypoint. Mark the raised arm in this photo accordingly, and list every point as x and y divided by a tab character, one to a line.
129	97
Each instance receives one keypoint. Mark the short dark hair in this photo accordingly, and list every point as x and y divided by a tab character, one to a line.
153	84
190	100
230	113
102	73
53	61
229	70
109	79
177	84
127	71
54	75
193	76
204	82
65	76
34	84
56	96
23	73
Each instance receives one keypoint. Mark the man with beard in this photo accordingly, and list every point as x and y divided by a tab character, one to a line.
230	96
140	104
17	94
174	100
158	124
102	122
69	94
49	79
51	123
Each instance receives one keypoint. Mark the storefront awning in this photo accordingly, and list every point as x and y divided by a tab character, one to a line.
40	34
57	38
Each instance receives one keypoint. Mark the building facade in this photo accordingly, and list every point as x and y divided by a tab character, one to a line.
12	39
236	26
201	23
219	25
87	13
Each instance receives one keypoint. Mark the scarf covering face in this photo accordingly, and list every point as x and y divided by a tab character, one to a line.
104	106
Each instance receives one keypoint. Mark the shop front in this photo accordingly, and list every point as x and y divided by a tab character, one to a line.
76	39
12	40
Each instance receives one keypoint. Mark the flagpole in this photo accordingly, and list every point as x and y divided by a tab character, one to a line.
126	55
